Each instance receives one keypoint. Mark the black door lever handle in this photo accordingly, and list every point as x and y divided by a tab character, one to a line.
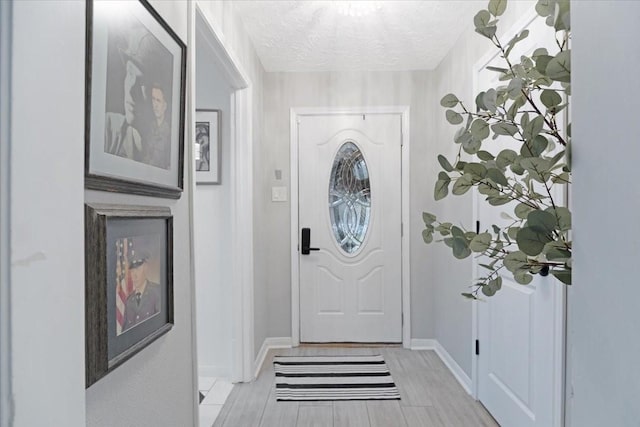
306	241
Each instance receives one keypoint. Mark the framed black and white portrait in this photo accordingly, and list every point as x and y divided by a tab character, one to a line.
207	146
128	285
135	93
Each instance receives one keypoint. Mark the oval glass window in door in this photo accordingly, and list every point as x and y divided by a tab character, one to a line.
349	197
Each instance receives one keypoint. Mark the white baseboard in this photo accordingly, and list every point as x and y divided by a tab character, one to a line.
213	371
456	370
423	344
268	344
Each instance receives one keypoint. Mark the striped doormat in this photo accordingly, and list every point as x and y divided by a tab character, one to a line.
302	378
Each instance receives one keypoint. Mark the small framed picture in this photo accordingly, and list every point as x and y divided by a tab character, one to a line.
135	100
207	146
129	283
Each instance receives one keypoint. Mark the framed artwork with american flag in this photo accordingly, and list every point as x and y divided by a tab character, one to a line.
129	283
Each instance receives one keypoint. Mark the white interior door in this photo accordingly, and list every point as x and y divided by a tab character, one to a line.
520	329
350	200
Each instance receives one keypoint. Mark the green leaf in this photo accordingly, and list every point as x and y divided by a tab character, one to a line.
441	189
449	101
479	129
497	7
497	176
462	136
563	21
537	167
482	18
476	170
519	37
498	200
522	210
497	69
496	250
559	68
563	178
523	277
533	128
555	159
549	21
457	232
550	98
462	185
488	32
563	275
541	63
445	163
506	158
515	87
517	103
453	117
469	296
487	190
515	261
489	290
480	102
428	218
472	146
557	254
489	99
530	241
448	241
482	21
427	236
541	222
562	216
534	148
517	168
546	7
480	242
539	52
485	156
503	128
460	248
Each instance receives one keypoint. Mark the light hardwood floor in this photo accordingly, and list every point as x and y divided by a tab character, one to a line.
430	396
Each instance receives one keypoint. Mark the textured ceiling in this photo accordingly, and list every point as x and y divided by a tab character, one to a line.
310	35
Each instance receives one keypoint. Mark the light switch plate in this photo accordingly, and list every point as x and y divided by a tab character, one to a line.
278	194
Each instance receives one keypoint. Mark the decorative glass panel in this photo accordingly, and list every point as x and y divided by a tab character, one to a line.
349	197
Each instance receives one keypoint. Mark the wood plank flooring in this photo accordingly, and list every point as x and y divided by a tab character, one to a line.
430	397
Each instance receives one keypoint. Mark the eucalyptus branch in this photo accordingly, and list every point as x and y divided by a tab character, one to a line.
538	238
556	134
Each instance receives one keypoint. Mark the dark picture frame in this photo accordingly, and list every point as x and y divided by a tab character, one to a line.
128	283
208	139
134	100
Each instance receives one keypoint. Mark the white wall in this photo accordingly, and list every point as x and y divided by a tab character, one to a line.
47	214
451	277
344	89
212	224
5	251
604	313
156	387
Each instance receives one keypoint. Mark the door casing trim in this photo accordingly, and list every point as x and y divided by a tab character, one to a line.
404	112
560	326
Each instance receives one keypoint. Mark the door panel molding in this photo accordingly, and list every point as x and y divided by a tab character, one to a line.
404	112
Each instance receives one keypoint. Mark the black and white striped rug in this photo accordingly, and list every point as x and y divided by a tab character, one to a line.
333	378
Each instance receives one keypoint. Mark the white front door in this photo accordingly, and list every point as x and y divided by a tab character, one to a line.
350	202
520	329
